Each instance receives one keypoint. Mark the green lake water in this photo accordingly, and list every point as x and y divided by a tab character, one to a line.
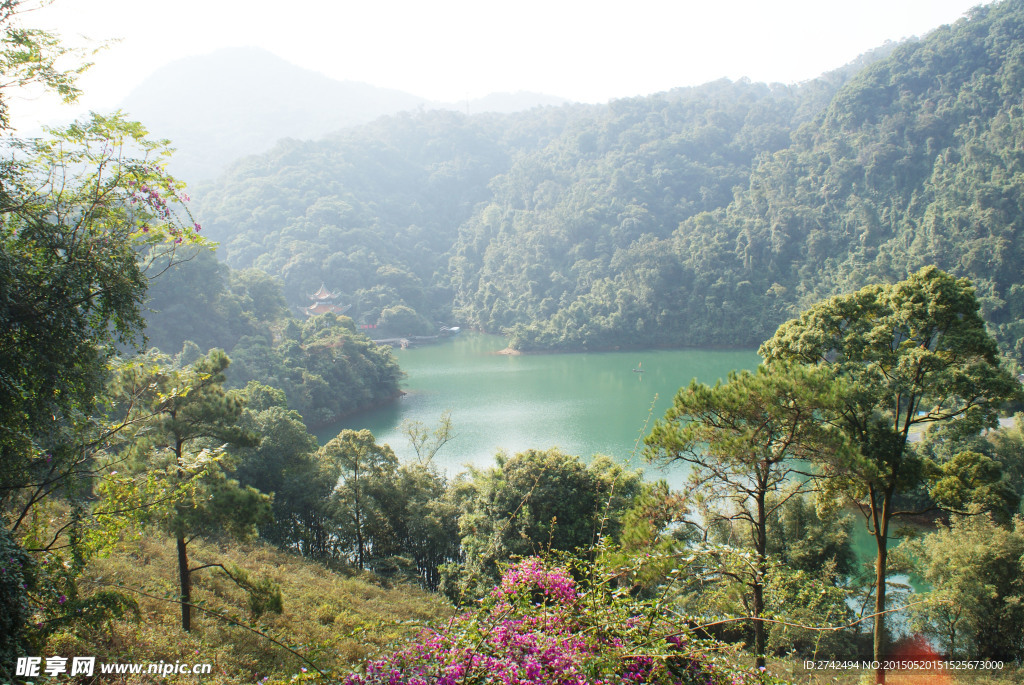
583	403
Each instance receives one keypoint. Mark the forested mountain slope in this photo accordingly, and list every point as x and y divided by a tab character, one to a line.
569	216
701	216
378	211
915	161
373	211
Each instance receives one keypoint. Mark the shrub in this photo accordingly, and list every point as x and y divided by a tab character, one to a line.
541	626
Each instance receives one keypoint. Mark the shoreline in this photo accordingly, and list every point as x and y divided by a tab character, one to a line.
312	427
512	352
509	351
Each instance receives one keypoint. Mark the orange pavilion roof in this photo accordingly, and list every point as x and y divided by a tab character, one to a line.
323	294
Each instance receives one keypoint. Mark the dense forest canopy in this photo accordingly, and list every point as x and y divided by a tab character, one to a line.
700	216
372	212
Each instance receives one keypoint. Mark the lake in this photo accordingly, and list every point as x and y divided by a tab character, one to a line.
584	403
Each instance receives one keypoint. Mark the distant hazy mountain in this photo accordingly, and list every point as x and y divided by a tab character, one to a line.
240	101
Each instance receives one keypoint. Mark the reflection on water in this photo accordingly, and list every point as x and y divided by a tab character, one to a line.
584	403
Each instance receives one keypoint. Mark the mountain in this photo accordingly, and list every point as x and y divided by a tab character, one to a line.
700	216
371	211
433	208
234	102
915	161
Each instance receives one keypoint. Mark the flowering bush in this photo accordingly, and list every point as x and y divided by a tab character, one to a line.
540	627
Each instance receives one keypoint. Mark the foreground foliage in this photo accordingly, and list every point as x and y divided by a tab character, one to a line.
181	421
540	626
976	570
84	211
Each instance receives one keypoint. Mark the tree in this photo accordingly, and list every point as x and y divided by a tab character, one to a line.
284	465
188	421
745	441
403	320
366	474
82	216
974	568
654	528
82	212
260	294
536	500
984	471
1008	449
913	354
425	442
811	582
422	521
329	355
15	606
288	465
30	57
806	539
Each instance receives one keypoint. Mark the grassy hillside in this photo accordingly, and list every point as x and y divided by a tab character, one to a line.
335	620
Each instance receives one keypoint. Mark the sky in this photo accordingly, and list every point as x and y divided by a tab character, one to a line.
453	50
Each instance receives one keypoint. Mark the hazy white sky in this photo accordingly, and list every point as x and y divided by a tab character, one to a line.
585	50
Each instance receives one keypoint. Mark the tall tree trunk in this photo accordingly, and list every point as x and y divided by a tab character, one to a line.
881	529
762	552
185	580
184	576
879	642
359	536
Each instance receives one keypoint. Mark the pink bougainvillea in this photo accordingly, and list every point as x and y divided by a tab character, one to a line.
538	628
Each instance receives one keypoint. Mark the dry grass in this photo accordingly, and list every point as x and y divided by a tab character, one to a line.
334	620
